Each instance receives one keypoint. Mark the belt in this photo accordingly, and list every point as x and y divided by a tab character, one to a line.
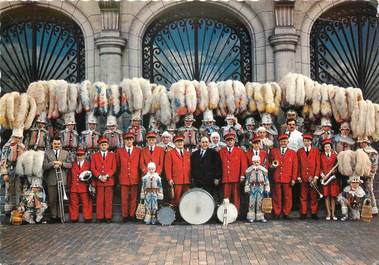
151	189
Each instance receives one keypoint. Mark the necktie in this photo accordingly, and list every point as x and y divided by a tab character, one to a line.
256	153
79	164
202	153
229	150
327	155
56	154
129	151
181	153
307	150
103	155
283	151
151	149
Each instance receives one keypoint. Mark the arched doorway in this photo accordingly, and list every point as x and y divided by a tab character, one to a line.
39	43
344	45
202	42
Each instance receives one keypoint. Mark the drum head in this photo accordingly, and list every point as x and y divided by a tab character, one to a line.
231	213
196	206
166	215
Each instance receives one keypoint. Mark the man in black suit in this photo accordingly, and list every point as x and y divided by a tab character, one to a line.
206	169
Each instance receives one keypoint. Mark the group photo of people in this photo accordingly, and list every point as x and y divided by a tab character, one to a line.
244	161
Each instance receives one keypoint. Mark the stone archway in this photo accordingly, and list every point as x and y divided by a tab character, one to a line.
243	11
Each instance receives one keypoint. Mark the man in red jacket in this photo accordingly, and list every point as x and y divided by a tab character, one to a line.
255	150
309	164
234	164
128	164
152	153
177	168
285	175
79	189
103	167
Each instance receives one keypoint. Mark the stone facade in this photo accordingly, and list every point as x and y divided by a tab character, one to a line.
113	32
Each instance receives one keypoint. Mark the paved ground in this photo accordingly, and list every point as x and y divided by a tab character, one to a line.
277	242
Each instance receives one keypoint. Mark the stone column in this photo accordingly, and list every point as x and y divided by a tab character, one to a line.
284	38
110	43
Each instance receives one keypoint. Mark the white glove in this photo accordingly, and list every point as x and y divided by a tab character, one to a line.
242	178
217	181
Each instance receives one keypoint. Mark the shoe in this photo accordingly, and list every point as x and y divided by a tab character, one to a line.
88	221
52	221
276	217
335	218
108	221
303	216
344	218
327	218
314	217
74	221
250	220
286	217
264	220
98	221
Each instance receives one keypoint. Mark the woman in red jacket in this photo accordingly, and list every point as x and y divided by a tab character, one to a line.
331	190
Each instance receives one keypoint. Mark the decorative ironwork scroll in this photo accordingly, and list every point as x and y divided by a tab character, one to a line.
39	44
345	48
199	42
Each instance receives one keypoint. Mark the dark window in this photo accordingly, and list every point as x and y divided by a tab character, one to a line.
196	41
39	44
345	48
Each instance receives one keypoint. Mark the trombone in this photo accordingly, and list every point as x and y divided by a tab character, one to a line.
62	196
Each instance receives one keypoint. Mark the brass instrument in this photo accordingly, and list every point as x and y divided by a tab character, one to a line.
275	163
313	185
327	179
62	196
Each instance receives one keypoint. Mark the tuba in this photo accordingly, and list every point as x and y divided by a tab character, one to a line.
62	196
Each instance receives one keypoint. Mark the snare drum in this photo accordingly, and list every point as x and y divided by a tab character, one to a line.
166	215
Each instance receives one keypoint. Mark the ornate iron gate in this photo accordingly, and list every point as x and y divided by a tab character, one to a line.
199	42
345	48
39	44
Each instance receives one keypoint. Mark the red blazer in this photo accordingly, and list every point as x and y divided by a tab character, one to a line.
327	163
76	184
107	166
128	166
177	168
262	154
287	169
309	165
157	157
234	165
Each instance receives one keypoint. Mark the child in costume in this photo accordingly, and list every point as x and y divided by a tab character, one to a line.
256	184
33	203
151	192
351	199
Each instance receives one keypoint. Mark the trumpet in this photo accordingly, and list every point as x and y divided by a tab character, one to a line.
275	163
62	196
313	185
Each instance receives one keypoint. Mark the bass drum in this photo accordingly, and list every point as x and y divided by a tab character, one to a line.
227	211
166	215
196	206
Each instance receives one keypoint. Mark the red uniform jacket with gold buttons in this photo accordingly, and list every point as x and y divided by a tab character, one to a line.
76	184
157	157
287	169
234	165
128	166
177	168
309	164
262	155
107	166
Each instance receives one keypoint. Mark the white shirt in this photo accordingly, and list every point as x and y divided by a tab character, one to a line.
129	149
80	163
295	140
230	149
151	148
104	154
180	151
56	152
